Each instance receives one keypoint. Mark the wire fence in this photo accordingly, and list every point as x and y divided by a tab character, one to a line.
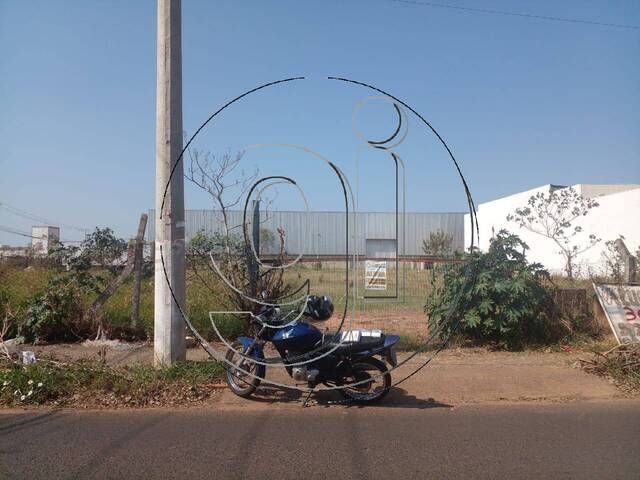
381	294
394	297
377	293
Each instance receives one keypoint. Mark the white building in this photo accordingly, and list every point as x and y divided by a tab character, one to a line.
617	214
43	238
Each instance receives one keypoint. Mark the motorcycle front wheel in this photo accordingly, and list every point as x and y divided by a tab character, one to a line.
239	382
373	378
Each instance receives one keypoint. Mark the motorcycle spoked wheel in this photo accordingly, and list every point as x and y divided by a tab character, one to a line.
367	392
240	383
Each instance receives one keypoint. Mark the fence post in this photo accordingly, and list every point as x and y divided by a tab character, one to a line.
253	262
137	270
91	314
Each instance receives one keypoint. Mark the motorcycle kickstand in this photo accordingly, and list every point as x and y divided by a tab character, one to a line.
305	403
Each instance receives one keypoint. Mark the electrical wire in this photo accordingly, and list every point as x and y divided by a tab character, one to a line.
516	14
32	216
18	232
14	231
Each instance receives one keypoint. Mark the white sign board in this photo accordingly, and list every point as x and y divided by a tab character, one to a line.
355	336
621	305
375	275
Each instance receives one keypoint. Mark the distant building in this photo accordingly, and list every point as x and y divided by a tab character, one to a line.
616	215
43	238
374	234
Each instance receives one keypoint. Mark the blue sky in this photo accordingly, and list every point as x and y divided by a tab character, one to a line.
522	102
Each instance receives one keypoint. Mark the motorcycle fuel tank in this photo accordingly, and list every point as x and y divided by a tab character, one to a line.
299	337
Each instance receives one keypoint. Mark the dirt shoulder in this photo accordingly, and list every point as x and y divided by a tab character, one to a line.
117	353
453	377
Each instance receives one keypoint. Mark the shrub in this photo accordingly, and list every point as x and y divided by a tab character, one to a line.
229	326
56	314
439	243
497	296
236	266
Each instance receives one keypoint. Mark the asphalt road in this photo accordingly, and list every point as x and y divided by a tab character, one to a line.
599	440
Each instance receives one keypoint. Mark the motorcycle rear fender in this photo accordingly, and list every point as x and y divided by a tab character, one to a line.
383	350
256	351
390	341
389	352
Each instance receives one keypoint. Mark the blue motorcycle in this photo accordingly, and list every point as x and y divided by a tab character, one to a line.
343	359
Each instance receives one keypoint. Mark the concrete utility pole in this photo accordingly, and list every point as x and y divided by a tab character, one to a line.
169	330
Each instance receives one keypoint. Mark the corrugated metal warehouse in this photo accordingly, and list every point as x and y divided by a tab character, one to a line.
324	233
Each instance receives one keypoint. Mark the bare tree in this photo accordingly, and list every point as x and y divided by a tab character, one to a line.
227	185
613	260
553	215
213	175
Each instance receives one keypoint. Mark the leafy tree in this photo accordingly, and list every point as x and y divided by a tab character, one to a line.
57	313
439	243
553	215
497	296
101	248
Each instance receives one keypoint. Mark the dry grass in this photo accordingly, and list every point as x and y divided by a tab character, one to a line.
621	364
21	285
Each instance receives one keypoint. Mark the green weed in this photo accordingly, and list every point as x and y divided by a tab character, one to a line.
90	382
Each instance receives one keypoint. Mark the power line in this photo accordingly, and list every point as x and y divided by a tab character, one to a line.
32	216
515	14
18	232
14	231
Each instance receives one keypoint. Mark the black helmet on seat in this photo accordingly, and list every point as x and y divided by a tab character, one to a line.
319	308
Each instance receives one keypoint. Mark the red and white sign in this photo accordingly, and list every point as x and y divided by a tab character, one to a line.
621	305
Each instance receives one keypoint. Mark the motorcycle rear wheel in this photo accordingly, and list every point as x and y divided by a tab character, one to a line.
367	392
240	383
